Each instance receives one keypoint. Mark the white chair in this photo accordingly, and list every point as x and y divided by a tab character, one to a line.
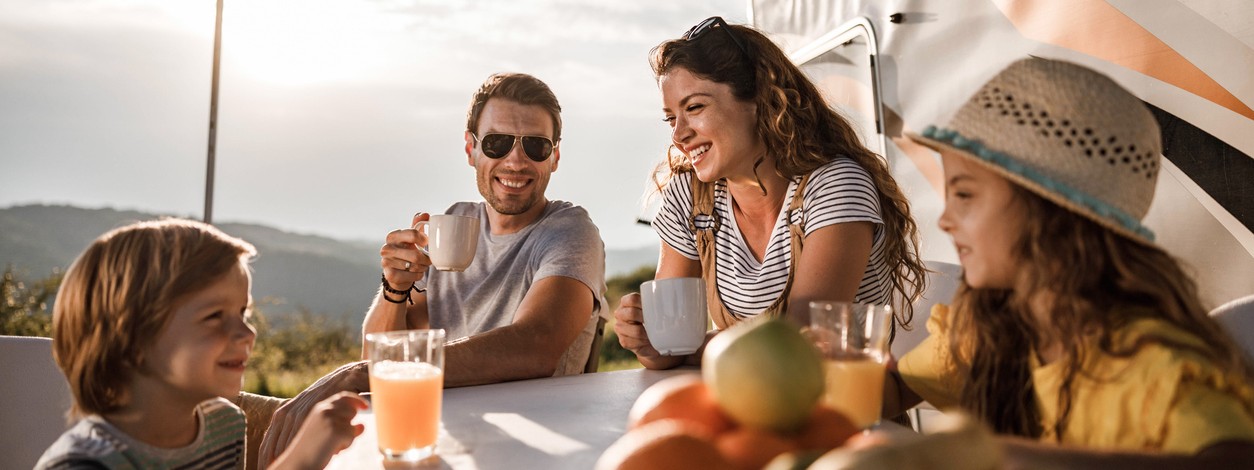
1237	318
942	283
34	399
594	357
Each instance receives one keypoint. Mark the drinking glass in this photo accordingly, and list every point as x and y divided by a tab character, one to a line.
407	388
853	339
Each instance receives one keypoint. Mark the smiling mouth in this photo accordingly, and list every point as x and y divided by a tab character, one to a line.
513	183
694	154
236	364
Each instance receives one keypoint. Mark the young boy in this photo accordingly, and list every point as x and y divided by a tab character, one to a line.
151	329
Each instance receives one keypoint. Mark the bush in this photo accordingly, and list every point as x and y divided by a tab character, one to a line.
293	349
613	356
26	309
296	350
290	354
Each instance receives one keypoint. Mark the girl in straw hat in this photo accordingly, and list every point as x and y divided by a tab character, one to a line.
770	197
1071	327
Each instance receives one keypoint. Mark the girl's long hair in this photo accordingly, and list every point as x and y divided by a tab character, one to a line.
800	130
1093	282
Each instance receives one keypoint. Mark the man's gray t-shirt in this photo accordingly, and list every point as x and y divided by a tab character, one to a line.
562	242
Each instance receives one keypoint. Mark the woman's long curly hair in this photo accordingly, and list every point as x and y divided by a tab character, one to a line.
1093	282
800	130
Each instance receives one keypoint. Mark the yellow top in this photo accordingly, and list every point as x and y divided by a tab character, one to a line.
1160	398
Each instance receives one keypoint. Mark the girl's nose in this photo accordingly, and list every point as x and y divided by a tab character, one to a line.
945	222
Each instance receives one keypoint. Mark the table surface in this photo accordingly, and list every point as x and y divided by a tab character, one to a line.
552	423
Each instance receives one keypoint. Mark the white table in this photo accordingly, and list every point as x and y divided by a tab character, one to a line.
551	423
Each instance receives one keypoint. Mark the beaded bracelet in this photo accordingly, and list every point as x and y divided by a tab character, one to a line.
405	294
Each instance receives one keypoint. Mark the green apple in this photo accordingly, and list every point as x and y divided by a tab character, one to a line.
764	373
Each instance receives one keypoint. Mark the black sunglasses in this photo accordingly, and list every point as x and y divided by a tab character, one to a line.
495	146
712	23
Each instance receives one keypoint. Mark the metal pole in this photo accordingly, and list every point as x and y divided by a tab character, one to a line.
213	116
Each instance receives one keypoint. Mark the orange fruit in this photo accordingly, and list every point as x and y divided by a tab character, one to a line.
683	397
663	445
749	447
826	429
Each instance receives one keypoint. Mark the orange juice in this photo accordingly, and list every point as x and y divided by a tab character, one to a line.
855	387
406	400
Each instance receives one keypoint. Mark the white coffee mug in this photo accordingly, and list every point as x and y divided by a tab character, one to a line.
675	315
451	241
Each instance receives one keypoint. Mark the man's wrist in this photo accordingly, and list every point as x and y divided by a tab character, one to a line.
399	300
403	295
392	289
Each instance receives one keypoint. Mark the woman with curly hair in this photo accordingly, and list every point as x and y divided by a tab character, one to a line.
769	194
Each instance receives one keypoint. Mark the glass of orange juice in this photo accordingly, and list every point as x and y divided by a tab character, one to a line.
407	388
853	338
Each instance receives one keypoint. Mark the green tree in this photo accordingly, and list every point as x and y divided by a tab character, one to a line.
26	307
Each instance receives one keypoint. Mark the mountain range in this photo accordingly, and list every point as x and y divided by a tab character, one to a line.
292	271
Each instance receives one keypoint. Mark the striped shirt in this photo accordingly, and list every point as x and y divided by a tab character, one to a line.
837	192
94	443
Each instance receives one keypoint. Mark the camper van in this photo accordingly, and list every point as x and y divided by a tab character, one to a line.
896	66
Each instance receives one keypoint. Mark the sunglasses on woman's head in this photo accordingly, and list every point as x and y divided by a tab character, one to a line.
496	146
712	23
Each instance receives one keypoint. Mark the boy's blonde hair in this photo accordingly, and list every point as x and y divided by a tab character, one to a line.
118	296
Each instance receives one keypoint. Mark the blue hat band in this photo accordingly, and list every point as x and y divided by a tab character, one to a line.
1008	163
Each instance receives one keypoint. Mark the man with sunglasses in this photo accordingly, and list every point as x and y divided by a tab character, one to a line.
529	304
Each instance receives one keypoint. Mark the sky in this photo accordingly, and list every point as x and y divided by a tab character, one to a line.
339	118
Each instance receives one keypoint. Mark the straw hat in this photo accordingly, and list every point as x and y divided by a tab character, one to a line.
1067	133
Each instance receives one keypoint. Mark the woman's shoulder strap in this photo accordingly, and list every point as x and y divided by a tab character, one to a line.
798	203
703	207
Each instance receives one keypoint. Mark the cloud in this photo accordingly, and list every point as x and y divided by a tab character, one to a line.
532	24
335	117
